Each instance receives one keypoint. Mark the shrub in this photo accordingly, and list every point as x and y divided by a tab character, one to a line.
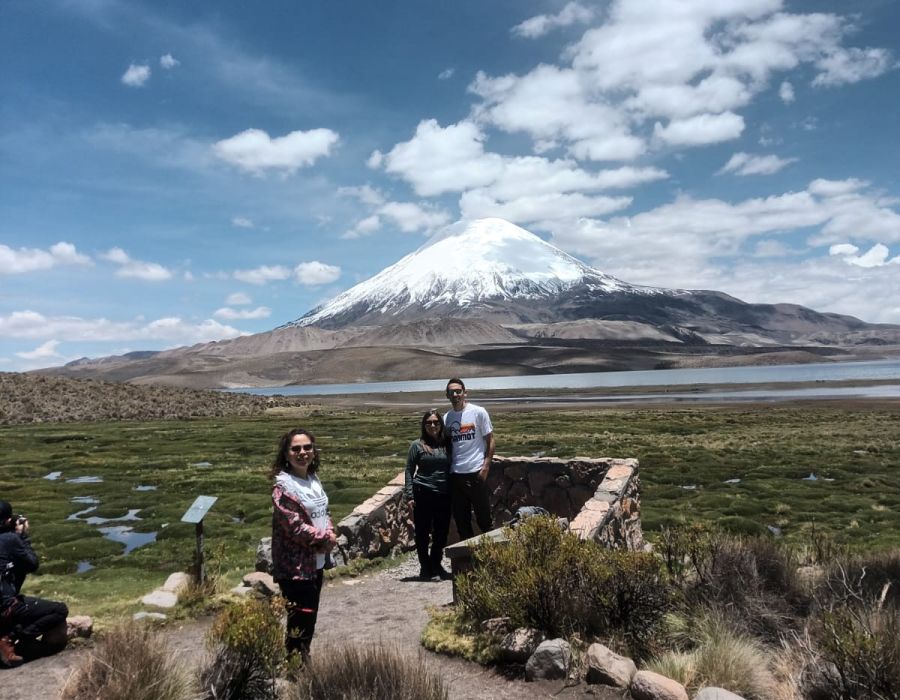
447	633
863	643
548	578
754	577
131	662
719	656
247	642
862	578
373	673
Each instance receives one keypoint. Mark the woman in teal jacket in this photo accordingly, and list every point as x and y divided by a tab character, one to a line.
427	492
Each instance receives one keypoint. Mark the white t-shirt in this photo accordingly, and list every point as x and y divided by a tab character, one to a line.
311	494
468	429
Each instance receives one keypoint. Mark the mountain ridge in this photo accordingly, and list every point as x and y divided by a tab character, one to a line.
481	293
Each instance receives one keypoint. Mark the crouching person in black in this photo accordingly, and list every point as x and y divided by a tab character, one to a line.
29	627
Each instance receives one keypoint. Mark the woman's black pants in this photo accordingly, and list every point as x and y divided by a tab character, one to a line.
302	610
431	517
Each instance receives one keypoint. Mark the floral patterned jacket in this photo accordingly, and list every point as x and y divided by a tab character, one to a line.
295	540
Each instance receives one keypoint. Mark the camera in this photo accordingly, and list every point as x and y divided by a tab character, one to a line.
21	519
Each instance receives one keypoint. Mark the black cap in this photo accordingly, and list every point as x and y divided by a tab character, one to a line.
5	511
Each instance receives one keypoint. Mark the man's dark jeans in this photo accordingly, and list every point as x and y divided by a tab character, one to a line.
468	492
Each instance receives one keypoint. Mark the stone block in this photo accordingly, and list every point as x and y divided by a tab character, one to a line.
160	599
79	626
606	667
647	685
261	582
177	582
519	645
711	693
550	660
556	500
264	555
154	616
540	475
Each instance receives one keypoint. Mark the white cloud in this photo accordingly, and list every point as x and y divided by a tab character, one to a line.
679	71
45	351
363	227
876	256
137	269
446	74
229	314
700	130
748	164
477	204
168	61
438	159
851	65
540	25
34	325
315	273
262	274
22	260
241	222
365	194
136	75
255	151
238	299
786	92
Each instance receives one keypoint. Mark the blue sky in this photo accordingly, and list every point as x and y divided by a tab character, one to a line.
173	173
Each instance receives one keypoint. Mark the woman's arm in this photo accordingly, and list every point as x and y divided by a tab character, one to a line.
412	458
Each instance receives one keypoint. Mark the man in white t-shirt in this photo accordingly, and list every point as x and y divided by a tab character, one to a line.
472	444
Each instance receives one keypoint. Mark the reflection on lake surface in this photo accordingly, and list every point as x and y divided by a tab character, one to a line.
84	566
53	476
141	487
85	480
818	372
127	536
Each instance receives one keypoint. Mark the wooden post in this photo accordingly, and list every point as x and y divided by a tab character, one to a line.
201	568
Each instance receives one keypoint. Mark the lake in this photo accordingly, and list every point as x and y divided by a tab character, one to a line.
774	374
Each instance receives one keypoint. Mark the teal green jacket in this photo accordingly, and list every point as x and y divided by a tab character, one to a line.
429	471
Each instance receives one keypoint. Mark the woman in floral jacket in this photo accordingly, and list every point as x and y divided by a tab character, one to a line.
302	534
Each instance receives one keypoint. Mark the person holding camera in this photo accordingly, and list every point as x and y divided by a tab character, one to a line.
29	627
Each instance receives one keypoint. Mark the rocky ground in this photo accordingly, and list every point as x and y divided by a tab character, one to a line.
389	607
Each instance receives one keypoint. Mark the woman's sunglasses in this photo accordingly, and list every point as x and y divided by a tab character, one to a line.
297	449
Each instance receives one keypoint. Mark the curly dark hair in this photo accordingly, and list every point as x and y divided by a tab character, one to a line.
280	463
443	437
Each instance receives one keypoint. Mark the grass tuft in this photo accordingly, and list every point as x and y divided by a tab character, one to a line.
130	661
372	673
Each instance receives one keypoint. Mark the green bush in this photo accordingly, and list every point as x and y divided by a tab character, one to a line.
373	673
548	578
131	662
247	643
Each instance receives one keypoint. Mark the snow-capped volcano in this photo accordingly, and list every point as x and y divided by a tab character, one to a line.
468	264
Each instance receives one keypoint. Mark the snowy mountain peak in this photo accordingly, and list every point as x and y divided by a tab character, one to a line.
468	263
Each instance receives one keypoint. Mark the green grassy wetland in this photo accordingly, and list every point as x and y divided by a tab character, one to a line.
744	468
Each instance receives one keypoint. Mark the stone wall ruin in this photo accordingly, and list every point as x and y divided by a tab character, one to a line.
600	497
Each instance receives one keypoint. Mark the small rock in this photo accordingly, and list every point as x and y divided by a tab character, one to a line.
160	599
496	625
261	582
550	660
520	644
79	626
242	590
608	668
810	576
711	693
143	615
177	582
647	685
264	555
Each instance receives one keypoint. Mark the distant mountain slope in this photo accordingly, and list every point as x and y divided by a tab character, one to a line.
487	297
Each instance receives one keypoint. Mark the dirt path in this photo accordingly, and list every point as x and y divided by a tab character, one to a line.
383	608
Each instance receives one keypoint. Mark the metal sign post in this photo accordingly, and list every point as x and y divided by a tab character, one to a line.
195	514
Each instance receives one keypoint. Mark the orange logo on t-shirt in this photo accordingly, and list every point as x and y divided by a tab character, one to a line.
466	427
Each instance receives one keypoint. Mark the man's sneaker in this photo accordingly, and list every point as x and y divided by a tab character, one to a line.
8	656
443	574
